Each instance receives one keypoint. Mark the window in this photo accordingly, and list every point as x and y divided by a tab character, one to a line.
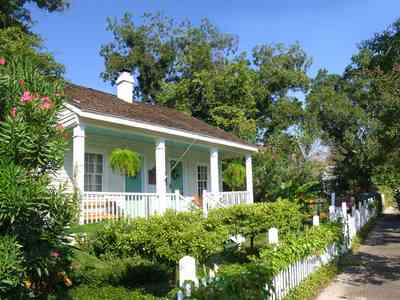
152	176
202	179
93	172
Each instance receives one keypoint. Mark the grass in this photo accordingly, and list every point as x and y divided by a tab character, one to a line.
86	228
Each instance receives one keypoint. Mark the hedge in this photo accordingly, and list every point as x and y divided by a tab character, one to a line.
164	238
252	220
248	281
313	240
169	237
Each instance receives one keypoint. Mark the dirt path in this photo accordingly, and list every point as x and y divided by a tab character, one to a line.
375	273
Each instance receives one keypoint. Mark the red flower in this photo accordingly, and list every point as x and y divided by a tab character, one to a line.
26	97
2	61
13	112
55	253
21	82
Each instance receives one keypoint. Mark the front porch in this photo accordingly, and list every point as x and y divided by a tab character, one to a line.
175	174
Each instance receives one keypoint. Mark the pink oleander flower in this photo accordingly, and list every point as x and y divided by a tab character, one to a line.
2	61
26	97
55	253
46	103
60	127
13	112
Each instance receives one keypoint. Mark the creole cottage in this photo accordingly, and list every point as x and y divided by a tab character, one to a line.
180	156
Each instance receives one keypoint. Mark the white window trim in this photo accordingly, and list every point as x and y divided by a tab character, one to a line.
104	167
196	176
173	158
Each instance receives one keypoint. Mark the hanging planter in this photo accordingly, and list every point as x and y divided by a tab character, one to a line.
125	161
235	176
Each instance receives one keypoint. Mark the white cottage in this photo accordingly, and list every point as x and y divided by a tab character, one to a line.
181	156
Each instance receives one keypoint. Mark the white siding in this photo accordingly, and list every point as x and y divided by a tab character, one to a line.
114	182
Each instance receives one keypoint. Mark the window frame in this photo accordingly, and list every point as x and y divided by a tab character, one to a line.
200	193
95	173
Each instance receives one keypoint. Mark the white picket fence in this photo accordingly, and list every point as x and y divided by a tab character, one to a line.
100	206
294	274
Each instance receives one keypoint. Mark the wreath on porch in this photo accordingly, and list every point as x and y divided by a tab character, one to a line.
125	161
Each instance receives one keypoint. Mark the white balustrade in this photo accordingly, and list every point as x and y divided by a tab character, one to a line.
224	199
101	206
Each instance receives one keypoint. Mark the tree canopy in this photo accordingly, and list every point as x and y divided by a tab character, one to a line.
357	112
199	70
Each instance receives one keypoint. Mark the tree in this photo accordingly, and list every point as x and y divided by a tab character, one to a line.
198	70
16	42
356	112
32	212
284	167
14	13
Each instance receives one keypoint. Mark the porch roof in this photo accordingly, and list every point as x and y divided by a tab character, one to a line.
101	103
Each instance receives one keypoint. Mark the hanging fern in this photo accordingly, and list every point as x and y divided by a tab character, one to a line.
125	161
235	176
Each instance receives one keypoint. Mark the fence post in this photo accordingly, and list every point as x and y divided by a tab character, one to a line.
315	220
344	210
187	271
273	236
177	200
205	204
331	213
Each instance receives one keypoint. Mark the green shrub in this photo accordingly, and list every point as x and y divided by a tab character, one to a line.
87	292
251	220
294	247
164	238
11	265
127	272
32	147
237	282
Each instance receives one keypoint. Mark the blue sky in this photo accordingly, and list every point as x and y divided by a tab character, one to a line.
328	30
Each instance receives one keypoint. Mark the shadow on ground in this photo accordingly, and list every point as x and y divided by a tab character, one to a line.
378	260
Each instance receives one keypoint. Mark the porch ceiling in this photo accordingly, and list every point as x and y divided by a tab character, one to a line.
148	139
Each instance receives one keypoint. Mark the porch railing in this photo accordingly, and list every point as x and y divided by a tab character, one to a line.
100	206
224	199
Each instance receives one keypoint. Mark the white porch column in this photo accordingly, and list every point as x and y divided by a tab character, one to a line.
249	177
161	185
78	153
214	170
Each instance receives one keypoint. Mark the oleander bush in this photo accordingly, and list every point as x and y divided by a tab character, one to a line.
11	266
32	146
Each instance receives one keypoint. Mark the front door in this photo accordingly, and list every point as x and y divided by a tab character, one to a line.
176	176
134	184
